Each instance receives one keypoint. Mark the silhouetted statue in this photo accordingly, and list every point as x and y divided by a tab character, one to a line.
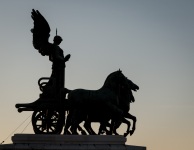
41	33
108	105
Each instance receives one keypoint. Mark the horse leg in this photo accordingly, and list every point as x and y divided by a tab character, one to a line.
129	116
117	116
112	126
76	119
75	126
103	129
83	132
74	129
117	125
68	124
128	126
87	126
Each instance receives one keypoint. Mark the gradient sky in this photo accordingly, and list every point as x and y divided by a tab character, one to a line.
151	41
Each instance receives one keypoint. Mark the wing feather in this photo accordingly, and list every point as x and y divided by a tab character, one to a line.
41	33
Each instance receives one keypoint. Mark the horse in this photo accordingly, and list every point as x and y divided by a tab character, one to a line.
125	98
85	102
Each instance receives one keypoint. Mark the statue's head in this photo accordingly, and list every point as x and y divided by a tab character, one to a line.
57	40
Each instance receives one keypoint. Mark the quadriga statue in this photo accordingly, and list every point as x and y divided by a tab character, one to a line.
52	111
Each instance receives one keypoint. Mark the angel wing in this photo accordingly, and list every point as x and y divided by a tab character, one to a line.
40	32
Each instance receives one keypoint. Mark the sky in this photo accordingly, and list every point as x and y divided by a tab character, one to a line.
151	41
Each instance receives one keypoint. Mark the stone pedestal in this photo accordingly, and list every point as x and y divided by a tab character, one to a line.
68	142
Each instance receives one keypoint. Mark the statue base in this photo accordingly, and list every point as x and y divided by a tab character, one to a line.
68	142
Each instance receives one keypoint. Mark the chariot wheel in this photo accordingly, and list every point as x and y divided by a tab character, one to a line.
48	121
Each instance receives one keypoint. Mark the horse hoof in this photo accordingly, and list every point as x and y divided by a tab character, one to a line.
108	133
84	133
125	134
131	132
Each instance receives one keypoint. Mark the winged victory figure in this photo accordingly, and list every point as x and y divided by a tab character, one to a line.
41	34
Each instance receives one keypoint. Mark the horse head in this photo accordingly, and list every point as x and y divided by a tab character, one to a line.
127	93
132	86
126	87
115	79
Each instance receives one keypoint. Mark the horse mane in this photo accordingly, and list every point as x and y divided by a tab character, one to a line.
110	76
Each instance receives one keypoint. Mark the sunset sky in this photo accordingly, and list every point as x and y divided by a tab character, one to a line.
151	41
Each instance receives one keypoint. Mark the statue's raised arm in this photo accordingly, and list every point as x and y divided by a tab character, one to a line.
41	33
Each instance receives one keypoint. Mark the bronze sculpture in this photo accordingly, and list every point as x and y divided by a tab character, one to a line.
109	105
41	35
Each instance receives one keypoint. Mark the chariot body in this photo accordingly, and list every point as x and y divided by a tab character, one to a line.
48	111
108	105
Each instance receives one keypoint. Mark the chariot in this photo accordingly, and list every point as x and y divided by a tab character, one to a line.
48	115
